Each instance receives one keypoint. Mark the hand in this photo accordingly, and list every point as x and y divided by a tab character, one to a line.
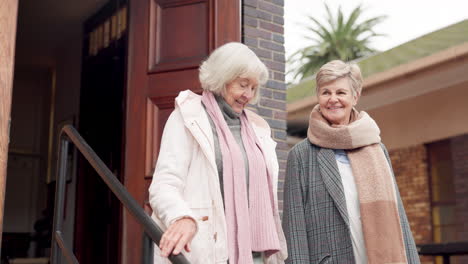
178	236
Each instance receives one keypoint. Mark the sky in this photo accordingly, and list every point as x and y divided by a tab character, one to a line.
406	19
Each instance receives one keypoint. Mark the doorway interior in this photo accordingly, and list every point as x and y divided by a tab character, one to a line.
69	69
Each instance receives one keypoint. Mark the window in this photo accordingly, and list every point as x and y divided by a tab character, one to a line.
442	192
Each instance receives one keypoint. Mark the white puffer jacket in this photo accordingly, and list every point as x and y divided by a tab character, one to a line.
186	182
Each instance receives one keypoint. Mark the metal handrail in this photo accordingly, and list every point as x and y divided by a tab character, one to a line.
67	135
446	250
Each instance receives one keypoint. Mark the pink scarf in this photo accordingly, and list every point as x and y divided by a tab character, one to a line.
376	186
248	229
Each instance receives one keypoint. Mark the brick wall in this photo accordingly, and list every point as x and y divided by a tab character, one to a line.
263	32
411	172
459	146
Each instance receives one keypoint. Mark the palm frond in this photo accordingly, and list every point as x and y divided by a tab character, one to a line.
340	37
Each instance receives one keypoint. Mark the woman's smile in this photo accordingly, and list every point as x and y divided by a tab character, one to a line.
336	100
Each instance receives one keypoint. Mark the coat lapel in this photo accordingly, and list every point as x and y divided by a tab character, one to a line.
201	130
197	122
332	179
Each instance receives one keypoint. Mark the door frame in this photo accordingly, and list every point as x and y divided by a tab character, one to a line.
9	15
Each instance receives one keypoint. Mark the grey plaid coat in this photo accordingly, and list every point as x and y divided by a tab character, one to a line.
315	219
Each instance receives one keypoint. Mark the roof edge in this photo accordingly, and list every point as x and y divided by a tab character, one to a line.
373	80
420	64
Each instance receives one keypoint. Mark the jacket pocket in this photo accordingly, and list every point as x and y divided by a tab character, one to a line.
202	245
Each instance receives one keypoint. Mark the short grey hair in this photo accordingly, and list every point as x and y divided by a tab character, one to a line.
337	69
228	62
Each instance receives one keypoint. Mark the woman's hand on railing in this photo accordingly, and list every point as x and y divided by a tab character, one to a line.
178	236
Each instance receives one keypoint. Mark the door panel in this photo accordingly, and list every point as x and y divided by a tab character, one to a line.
168	39
171	25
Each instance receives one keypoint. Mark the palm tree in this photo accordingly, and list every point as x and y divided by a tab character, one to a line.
340	38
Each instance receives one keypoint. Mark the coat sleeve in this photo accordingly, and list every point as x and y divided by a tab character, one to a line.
169	178
294	224
410	246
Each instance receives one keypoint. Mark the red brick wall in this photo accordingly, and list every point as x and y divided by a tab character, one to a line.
263	32
411	172
459	146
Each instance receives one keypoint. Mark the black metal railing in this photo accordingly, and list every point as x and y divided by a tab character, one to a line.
445	250
67	135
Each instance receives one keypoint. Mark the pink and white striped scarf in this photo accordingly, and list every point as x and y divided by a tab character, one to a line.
248	228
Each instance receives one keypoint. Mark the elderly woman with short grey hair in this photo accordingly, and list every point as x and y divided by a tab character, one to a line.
214	186
341	201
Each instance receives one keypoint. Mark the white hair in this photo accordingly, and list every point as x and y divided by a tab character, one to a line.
228	62
337	69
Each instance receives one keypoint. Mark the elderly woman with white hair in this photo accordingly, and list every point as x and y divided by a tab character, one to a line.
214	187
341	201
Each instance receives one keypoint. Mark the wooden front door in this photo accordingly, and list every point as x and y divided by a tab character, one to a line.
168	39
